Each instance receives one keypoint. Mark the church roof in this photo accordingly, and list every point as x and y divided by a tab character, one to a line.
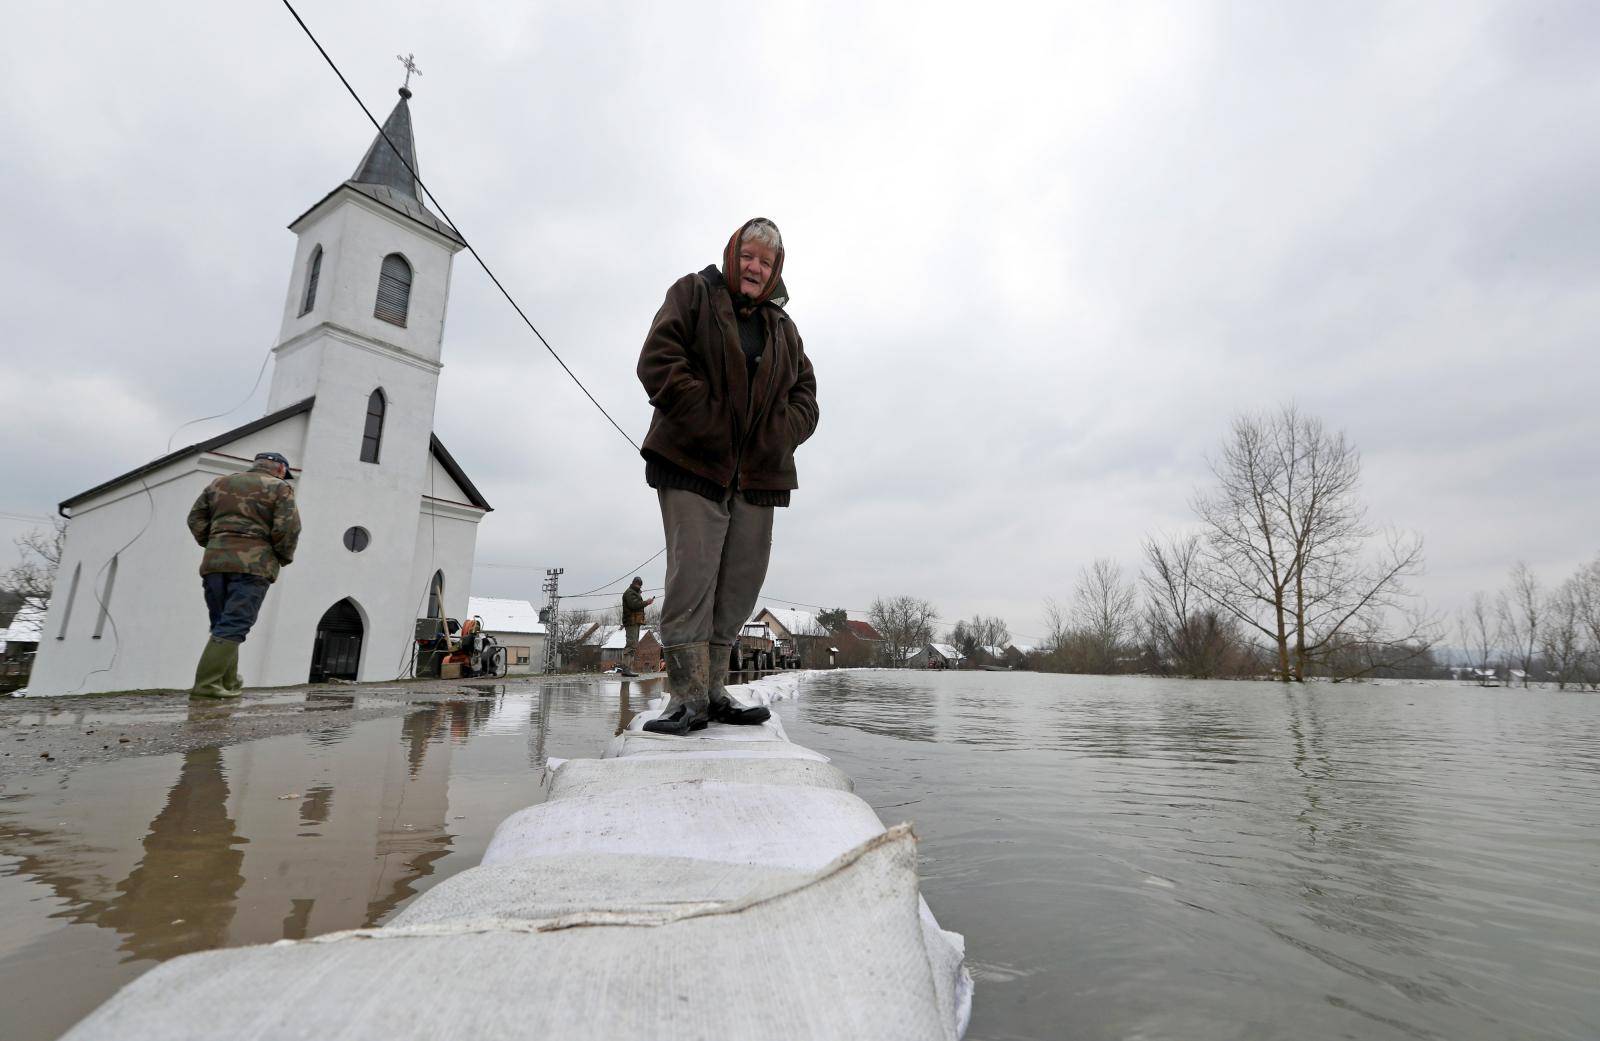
457	474
382	175
440	453
381	166
197	448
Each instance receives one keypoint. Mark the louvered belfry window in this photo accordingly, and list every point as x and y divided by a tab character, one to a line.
394	290
372	434
313	269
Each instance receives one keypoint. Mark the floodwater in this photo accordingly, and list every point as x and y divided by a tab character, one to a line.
1141	858
1128	858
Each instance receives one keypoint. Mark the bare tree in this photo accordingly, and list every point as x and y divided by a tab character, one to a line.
566	629
1057	624
905	622
1104	613
1480	635
1521	610
33	577
979	634
1588	591
1562	637
1286	544
1186	634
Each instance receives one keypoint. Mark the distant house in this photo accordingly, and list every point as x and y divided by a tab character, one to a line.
515	625
21	637
599	647
19	642
646	658
935	656
798	635
861	645
787	623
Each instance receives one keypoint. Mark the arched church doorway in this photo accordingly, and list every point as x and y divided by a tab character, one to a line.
337	652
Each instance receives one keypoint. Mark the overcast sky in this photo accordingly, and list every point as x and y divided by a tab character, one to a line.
1040	255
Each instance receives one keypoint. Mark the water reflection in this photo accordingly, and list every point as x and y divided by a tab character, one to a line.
181	895
113	867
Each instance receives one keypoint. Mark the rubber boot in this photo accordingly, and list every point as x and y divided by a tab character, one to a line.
686	673
233	681
210	676
723	709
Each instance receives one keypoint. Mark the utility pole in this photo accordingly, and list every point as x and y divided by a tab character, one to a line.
552	614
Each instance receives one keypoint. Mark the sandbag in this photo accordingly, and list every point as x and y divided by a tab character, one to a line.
568	883
576	778
841	955
642	743
773	825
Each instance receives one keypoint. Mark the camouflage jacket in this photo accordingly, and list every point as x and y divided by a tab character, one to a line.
632	607
248	524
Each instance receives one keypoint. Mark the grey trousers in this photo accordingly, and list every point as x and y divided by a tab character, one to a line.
630	649
716	561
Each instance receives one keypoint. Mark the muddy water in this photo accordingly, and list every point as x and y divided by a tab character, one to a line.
110	868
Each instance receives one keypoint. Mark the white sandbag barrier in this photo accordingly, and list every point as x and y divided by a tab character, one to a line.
723	885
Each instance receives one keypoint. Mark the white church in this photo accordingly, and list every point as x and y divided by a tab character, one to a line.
390	519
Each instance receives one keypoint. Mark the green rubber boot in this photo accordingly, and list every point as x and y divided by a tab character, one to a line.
723	709
211	675
233	681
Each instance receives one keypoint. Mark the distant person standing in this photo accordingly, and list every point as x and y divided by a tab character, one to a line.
633	605
734	396
249	525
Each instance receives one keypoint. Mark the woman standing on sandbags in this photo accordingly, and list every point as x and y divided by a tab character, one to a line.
734	395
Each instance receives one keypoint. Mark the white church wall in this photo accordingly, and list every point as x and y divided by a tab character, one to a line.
447	538
287	437
441	485
156	625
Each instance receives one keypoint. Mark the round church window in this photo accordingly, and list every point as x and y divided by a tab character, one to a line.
357	539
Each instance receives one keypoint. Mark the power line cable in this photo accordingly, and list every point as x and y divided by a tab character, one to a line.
620	577
451	221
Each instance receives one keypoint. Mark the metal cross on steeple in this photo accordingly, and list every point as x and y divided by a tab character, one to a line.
409	61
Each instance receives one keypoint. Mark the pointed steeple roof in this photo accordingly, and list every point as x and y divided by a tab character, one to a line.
383	177
381	166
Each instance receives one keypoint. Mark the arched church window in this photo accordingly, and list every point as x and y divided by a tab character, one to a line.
436	596
394	290
105	599
372	433
313	269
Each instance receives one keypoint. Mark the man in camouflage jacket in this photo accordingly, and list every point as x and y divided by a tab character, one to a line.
249	526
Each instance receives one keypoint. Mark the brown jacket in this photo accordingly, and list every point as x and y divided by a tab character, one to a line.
708	420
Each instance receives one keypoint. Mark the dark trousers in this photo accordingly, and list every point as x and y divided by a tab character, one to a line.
233	601
716	561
